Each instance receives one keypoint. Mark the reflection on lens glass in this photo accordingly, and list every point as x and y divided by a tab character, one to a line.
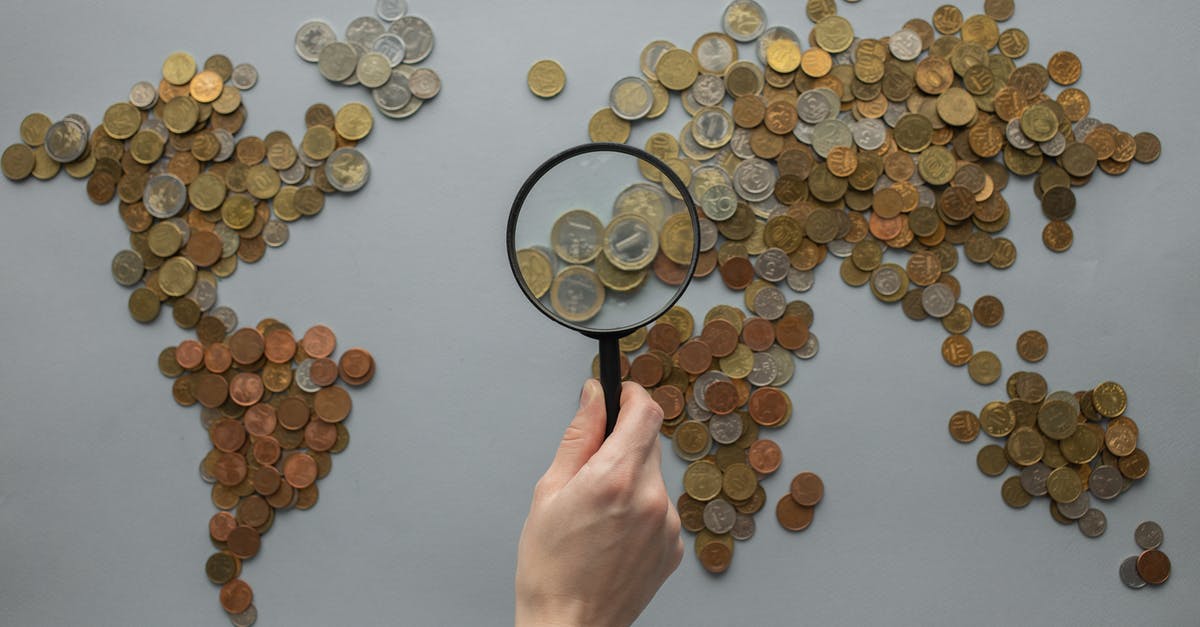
601	246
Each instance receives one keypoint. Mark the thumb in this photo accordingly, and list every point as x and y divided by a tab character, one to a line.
582	438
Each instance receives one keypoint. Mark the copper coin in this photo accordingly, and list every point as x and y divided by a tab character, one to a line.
1057	236
715	557
366	378
292	414
319	341
332	404
720	336
266	450
220	525
1154	566
236	596
217	358
1032	346
758	334
323	372
282	498
792	515
721	397
189	354
355	363
203	248
320	435
646	370
807	489
988	310
279	346
229	469
765	456
246	389
227	435
209	389
768	406
957	350
737	273
246	345
791	331
300	470
259	420
253	511
266	480
663	337
695	357
669	398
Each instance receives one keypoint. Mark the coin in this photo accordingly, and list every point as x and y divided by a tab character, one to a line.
1154	566
984	368
1148	535
792	515
1129	573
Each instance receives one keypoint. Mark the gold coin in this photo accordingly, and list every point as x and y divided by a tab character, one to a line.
33	129
997	419
1025	446
144	305
834	34
177	276
703	480
783	55
546	78
353	121
991	460
1064	485
122	120
206	86
17	162
1014	494
536	270
984	367
1109	399
179	68
677	69
678	238
605	126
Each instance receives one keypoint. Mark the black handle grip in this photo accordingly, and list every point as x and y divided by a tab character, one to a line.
610	380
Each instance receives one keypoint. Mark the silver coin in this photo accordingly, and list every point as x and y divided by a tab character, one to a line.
770	303
347	170
631	98
1093	523
739	143
390	46
785	366
840	248
708	234
230	240
768	208
127	268
763	372
813	107
143	95
66	140
417	36
362	31
391	10
165	195
1033	479
719	516
713	55
694	411
312	37
1148	535
1016	136
425	83
245	618
204	290
244	77
772	35
701	453
295	173
725	429
227	316
308	161
744	20
830	134
712	127
630	242
938	300
393	95
772	265
1129	574
185	230
869	133
706	176
719	203
337	61
886	280
1077	508
80	121
754	179
1054	146
895	111
1084	127
303	376
275	233
800	280
811	347
708	90
743	527
1105	482
403	73
156	126
905	45
373	70
226	144
687	142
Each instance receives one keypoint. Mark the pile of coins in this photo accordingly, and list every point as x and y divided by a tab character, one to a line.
193	196
379	53
717	390
274	414
1151	566
1068	446
855	147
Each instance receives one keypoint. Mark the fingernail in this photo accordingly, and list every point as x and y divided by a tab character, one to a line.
588	392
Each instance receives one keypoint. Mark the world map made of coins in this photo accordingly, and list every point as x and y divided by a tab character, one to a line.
861	149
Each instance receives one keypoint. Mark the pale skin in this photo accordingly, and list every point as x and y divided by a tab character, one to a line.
602	534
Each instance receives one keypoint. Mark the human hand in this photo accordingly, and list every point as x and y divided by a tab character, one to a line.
602	535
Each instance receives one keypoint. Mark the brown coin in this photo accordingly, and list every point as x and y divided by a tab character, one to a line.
792	515
791	331
737	273
663	337
222	567
715	557
957	350
646	370
1154	566
764	456
332	404
758	334
1064	68
695	357
300	470
246	389
227	435
1032	346
292	414
259	420
323	372
320	436
246	345
988	310
266	480
236	596
807	489
220	526
670	399
217	358
253	511
203	248
1147	147
769	406
1057	236
964	426
318	341
356	366
189	354
720	336
721	397
229	469
244	542
209	389
279	346
282	498
266	450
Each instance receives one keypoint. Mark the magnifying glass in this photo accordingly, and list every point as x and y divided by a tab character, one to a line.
603	239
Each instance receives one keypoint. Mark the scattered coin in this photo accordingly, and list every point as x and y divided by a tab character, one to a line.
1149	535
546	78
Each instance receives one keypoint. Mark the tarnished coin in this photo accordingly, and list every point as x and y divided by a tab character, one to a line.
1148	535
1129	573
311	39
1093	523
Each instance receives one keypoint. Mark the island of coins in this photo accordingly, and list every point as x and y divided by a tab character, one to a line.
1077	448
196	198
275	414
719	384
379	52
1151	566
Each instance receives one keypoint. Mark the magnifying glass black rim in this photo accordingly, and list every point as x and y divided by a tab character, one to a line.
569	153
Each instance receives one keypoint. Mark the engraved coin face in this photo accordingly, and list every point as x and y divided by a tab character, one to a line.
577	294
576	236
311	38
630	242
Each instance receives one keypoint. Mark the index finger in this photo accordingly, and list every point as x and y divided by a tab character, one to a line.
638	424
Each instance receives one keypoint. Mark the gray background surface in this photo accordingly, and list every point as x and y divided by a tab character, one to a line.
102	516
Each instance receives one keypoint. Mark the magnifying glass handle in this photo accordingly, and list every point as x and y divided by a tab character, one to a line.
610	380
